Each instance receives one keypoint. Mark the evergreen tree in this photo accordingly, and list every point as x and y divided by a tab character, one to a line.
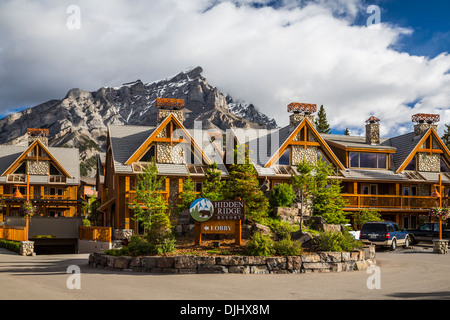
242	183
321	122
149	206
313	183
188	195
347	132
327	200
213	185
446	137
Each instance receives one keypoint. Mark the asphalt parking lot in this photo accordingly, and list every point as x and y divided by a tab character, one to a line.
414	273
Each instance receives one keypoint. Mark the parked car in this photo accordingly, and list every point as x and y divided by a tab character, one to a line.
386	234
429	231
354	233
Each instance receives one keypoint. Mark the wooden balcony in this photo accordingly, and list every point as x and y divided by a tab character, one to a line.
130	196
393	202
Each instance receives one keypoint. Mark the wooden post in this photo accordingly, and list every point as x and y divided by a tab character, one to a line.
198	233
238	233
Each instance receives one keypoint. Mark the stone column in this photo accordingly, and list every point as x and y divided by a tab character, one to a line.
440	246
27	248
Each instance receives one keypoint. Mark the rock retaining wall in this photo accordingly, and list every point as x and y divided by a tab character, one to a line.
317	262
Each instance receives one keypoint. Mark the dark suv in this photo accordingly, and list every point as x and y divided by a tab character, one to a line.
386	234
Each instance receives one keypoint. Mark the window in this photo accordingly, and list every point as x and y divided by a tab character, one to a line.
198	187
149	156
321	156
412	164
444	166
369	189
368	160
285	158
22	169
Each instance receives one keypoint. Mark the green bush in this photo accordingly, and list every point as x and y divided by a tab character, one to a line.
280	229
166	246
260	245
139	246
282	195
336	241
287	247
10	245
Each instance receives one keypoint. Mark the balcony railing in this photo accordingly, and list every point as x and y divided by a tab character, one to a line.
390	201
131	196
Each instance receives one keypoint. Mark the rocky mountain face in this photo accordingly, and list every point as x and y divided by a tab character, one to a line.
82	117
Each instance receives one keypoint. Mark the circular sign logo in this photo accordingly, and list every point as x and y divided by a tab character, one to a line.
201	210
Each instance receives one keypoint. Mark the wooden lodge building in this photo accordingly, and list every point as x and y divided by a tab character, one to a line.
47	177
394	176
173	148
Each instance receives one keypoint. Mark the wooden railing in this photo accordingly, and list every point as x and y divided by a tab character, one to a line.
131	196
389	201
103	234
13	233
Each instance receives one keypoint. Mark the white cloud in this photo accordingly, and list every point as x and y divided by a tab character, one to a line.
303	51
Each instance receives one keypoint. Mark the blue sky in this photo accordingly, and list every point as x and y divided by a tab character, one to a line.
428	19
266	52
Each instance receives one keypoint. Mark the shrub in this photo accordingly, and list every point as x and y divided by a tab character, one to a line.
336	241
10	245
260	245
287	247
280	229
166	246
139	246
282	195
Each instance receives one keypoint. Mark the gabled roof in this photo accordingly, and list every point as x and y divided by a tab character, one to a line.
67	160
127	140
154	134
268	154
37	142
409	144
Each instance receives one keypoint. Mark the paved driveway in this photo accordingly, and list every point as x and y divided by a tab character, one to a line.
416	273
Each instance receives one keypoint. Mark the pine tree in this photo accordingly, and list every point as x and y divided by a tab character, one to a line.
446	137
149	206
321	122
347	132
313	183
213	185
242	183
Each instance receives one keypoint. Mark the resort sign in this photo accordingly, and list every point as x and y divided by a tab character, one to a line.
217	217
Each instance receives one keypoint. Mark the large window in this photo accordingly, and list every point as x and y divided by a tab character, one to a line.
368	160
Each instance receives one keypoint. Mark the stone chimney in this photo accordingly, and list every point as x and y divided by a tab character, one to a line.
38	134
424	122
301	111
169	106
373	131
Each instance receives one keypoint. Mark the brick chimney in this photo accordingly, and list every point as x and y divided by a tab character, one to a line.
373	131
301	111
424	122
169	106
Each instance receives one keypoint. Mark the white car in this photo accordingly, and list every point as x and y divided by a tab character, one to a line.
355	234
